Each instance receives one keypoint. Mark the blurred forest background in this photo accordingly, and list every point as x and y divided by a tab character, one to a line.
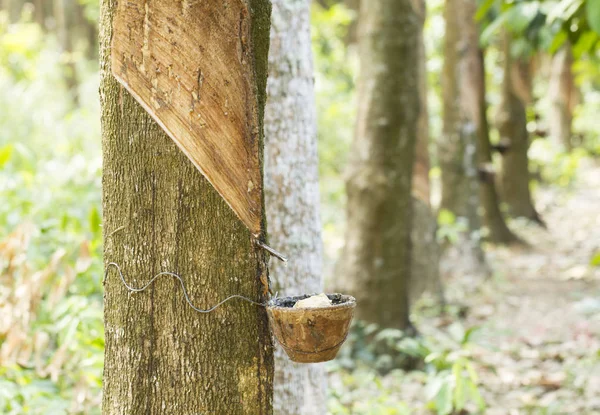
509	322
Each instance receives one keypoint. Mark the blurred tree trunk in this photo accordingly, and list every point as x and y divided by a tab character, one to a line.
457	150
512	125
64	17
475	109
13	8
292	191
563	95
86	31
161	214
425	276
376	256
39	13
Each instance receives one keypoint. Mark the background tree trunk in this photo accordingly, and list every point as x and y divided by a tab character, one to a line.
292	192
457	150
563	96
475	108
64	17
512	125
425	275
161	214
376	256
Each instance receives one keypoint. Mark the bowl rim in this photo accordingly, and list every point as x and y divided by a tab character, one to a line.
350	302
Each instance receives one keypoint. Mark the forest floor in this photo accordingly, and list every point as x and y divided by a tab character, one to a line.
540	312
536	346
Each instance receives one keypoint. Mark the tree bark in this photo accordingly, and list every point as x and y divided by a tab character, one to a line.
425	276
475	108
563	96
512	125
457	150
292	191
160	214
63	14
376	257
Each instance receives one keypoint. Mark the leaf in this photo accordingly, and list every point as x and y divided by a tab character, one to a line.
446	217
95	220
560	38
475	395
595	261
492	29
443	400
5	154
460	393
483	9
593	14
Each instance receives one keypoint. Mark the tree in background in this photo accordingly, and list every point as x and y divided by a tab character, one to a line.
512	126
563	94
376	257
425	255
160	213
292	191
457	148
473	97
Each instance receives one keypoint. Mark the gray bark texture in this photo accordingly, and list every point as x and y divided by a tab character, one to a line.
160	214
457	150
292	192
375	260
425	259
512	125
475	109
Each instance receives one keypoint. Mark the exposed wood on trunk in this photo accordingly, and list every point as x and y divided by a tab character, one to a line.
292	192
376	258
196	80
161	356
512	125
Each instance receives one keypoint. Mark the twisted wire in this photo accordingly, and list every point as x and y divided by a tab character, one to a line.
185	294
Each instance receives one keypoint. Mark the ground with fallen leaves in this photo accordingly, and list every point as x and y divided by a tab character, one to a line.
537	319
540	312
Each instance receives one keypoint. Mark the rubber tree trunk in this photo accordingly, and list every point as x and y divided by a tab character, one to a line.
563	96
376	256
292	191
512	125
64	16
160	214
475	109
457	150
425	276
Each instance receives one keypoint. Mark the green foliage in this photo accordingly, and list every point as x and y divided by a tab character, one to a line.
334	85
595	261
593	15
50	238
542	24
92	9
372	360
450	228
555	167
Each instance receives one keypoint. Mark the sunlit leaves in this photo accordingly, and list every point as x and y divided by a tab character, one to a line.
593	14
5	154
